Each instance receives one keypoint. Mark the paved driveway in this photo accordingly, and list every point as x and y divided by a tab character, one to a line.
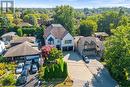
94	72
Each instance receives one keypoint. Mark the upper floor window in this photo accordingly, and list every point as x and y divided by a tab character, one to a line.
68	41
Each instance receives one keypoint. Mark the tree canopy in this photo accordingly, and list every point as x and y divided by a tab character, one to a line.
87	27
117	54
65	16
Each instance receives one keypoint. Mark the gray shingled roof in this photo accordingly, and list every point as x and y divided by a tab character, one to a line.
94	39
23	39
9	34
57	30
101	34
23	49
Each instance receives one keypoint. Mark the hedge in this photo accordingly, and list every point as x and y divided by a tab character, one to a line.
56	71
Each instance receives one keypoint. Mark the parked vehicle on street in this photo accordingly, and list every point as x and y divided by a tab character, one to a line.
21	80
25	72
34	68
19	68
86	59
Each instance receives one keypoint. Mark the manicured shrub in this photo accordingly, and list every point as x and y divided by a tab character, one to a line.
20	32
46	50
56	71
65	70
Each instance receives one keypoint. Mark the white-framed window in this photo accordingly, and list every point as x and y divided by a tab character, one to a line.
68	41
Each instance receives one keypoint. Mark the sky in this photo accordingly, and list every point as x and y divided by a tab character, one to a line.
73	3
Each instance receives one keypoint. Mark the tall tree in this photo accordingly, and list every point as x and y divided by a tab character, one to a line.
117	54
65	16
111	20
87	27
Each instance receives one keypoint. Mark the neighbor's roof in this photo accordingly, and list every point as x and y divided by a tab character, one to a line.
90	39
76	38
23	49
57	30
23	39
101	34
24	24
9	34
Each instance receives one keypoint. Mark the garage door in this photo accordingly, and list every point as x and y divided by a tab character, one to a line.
64	48
68	48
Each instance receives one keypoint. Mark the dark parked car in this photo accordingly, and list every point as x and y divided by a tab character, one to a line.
21	80
86	59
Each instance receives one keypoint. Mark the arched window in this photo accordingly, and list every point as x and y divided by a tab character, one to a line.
51	41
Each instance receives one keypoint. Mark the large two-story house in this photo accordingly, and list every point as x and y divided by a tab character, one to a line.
59	37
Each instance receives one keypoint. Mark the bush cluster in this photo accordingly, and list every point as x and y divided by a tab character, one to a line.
8	80
58	70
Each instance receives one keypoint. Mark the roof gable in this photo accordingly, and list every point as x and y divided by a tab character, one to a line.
57	30
91	40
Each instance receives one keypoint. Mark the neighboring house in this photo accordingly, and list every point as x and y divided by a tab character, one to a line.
19	40
76	39
59	37
2	47
90	46
101	35
7	37
23	52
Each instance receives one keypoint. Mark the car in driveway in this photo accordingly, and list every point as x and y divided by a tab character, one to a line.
27	65
21	80
25	72
86	59
34	68
19	68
